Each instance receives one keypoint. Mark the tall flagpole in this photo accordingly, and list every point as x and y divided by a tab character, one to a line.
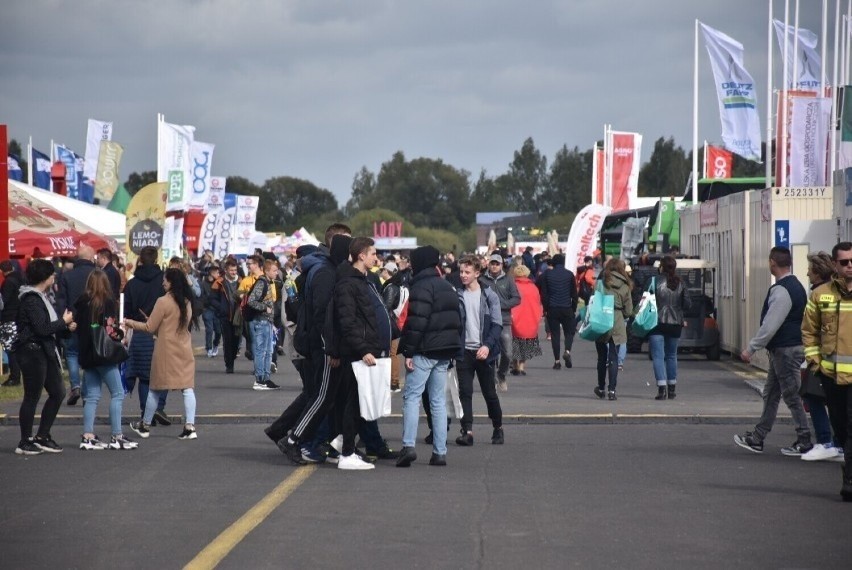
30	162
695	120
796	47
52	160
784	89
594	174
705	159
769	75
835	91
823	53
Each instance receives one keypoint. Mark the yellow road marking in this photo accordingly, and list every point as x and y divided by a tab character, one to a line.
223	544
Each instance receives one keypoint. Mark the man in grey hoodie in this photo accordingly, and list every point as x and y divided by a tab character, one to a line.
509	296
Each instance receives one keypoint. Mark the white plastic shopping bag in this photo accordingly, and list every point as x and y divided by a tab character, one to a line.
453	392
374	393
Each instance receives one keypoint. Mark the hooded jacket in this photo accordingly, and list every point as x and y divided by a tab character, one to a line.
619	287
315	285
10	289
526	317
358	323
506	290
490	322
433	326
34	324
141	292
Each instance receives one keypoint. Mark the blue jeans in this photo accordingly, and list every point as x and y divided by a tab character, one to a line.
188	405
622	354
92	380
819	416
429	374
212	329
72	352
663	350
261	347
143	396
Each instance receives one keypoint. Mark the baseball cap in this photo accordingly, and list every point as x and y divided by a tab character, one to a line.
496	257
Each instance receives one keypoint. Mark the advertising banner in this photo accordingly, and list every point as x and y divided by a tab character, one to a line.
802	56
96	132
202	163
735	89
719	163
223	245
809	129
107	177
146	218
216	196
244	224
174	163
583	237
625	170
66	157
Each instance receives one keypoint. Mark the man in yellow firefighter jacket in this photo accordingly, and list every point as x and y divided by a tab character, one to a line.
827	337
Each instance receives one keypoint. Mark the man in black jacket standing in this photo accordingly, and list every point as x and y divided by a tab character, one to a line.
71	285
559	298
104	262
431	337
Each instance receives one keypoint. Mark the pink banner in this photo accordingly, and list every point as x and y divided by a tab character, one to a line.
623	155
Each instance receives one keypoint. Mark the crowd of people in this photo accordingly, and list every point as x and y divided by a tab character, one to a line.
435	317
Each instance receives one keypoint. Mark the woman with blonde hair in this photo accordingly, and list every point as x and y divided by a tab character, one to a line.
616	282
95	308
526	320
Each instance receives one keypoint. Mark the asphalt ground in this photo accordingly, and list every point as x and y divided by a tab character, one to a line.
580	483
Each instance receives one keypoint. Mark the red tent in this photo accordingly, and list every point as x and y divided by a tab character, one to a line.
36	227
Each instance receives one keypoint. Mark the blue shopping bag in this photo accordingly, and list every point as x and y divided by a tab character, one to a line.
646	315
600	315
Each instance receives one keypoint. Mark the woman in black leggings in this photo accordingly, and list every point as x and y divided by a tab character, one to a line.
38	326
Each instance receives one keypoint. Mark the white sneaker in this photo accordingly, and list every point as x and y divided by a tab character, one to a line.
354	463
820	452
210	353
215	351
337	443
840	457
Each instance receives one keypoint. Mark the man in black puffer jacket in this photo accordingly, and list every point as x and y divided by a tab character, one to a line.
431	337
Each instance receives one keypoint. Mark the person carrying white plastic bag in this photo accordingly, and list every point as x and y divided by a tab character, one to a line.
374	393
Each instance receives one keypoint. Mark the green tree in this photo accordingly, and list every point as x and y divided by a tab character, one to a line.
527	179
667	171
489	194
569	186
241	186
363	192
286	203
138	180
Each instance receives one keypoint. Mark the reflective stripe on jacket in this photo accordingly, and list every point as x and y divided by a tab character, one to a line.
827	331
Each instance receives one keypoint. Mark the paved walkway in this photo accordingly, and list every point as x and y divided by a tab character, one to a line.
708	392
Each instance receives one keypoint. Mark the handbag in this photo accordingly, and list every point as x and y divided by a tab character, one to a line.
374	393
107	349
647	316
811	385
8	335
600	314
453	392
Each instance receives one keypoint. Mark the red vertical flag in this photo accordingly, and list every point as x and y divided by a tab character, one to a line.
719	162
625	163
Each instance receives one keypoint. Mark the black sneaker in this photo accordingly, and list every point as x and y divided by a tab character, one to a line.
229	370
27	447
46	443
11	382
249	355
270	385
121	442
465	439
406	456
73	397
611	395
188	433
599	392
141	428
429	438
566	356
557	365
161	418
497	436
312	455
91	443
384	453
291	449
749	441
797	449
439	460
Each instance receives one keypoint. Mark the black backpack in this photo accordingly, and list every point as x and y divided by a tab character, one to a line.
249	313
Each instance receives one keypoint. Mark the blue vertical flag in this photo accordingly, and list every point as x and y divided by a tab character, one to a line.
41	170
85	191
66	157
15	172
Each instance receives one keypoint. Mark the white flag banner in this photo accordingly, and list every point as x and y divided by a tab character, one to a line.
177	238
202	163
244	224
809	128
225	233
207	235
735	89
583	237
806	60
216	196
168	238
174	163
96	132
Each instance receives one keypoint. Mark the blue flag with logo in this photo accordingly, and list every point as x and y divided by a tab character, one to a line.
41	170
15	172
66	157
85	191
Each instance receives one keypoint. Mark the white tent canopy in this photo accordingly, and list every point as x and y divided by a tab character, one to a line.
107	222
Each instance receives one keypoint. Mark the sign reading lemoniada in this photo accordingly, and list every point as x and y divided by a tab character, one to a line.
146	216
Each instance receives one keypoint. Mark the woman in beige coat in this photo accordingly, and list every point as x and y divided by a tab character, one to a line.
173	363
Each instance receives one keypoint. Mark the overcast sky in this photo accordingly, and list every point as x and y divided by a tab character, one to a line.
316	89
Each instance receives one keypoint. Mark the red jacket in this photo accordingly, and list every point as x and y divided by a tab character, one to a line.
526	317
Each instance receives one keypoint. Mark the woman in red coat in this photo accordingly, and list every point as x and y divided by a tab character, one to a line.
526	320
